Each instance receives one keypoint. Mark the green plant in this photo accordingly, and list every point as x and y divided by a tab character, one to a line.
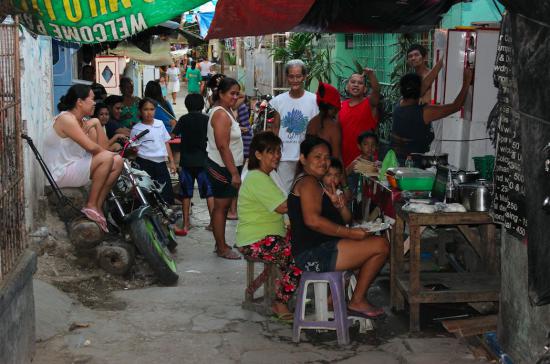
404	41
230	58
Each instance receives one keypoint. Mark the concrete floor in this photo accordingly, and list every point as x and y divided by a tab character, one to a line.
200	321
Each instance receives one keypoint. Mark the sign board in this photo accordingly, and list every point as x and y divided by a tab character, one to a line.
509	198
97	21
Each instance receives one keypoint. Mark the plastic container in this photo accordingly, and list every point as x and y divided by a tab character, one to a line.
485	165
414	179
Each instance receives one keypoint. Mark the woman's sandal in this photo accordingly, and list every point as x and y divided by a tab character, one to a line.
96	217
228	254
284	317
373	313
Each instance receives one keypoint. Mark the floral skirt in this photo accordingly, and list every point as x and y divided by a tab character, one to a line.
276	249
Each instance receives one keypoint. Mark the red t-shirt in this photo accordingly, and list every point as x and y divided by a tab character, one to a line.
354	120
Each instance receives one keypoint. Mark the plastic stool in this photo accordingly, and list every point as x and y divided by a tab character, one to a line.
340	322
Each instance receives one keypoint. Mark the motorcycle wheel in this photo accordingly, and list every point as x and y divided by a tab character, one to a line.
149	243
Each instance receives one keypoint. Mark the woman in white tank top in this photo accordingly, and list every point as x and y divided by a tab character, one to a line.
76	152
225	157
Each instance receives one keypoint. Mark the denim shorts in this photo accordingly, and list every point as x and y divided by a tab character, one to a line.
321	258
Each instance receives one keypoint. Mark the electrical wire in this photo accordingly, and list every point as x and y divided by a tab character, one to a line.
496	6
461	140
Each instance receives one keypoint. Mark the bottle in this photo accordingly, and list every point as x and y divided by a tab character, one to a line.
409	162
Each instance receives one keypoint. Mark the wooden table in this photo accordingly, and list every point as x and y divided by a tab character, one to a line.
462	287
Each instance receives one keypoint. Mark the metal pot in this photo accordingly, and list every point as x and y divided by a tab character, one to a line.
430	160
466	176
475	196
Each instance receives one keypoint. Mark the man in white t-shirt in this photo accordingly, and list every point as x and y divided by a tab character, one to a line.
295	109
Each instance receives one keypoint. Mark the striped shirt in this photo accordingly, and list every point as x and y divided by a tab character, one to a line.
243	115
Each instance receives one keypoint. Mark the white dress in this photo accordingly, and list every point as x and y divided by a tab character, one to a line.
67	161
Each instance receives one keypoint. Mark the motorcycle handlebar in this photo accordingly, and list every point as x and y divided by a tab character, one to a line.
140	135
129	142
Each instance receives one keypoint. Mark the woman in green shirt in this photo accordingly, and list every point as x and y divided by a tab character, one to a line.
129	114
261	230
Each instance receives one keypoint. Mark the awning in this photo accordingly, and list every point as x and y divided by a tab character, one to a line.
257	17
96	21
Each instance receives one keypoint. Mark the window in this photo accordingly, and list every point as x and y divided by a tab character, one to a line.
348	41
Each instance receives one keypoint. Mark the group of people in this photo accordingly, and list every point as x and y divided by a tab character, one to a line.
299	169
317	140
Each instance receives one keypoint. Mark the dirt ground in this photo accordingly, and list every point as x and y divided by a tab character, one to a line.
78	274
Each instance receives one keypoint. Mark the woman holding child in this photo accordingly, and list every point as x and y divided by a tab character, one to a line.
261	233
321	241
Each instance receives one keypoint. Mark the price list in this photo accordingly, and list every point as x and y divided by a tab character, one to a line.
509	197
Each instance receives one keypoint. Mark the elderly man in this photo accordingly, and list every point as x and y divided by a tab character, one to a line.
294	109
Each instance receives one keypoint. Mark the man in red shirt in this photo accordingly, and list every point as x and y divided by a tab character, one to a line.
359	113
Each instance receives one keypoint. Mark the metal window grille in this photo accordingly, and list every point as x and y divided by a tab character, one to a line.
12	219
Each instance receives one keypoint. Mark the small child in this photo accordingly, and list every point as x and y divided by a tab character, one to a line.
102	113
154	148
367	142
163	86
192	128
334	186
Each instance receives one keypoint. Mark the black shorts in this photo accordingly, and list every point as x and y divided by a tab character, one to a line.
321	258
220	180
206	78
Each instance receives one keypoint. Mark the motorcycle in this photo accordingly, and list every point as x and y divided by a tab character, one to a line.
135	206
264	114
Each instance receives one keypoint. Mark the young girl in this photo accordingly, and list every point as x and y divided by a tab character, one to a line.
102	113
154	148
163	86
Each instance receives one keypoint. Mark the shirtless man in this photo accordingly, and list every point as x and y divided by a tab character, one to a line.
417	59
324	124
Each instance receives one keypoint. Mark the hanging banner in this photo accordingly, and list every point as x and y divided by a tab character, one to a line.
97	21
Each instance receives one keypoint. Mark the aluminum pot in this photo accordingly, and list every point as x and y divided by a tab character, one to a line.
475	196
466	176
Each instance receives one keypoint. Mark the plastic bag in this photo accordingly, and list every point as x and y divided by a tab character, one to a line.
390	161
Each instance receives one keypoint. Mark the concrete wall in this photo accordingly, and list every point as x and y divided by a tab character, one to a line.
17	316
36	112
523	328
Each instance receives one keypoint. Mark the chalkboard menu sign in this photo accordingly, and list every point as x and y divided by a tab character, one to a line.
509	197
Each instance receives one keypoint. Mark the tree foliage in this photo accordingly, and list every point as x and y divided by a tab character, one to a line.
318	60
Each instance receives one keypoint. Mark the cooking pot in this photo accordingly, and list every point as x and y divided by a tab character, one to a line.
466	176
475	196
429	160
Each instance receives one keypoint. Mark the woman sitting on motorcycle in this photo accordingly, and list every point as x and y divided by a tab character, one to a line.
154	148
76	152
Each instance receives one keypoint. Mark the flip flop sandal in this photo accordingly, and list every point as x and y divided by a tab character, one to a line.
286	317
368	314
229	254
94	216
